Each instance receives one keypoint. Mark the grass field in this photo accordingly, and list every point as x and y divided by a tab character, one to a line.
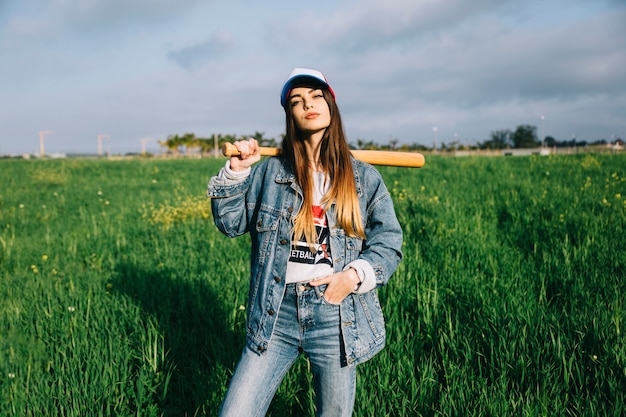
120	298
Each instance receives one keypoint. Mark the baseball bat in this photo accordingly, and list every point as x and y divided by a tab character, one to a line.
387	158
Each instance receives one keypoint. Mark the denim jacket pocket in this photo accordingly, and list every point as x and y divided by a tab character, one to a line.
370	318
265	228
353	248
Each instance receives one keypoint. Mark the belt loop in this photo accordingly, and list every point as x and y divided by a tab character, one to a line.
318	292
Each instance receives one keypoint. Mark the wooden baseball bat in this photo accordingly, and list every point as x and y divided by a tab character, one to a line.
388	158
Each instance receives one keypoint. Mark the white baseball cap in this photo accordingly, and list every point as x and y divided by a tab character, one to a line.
299	74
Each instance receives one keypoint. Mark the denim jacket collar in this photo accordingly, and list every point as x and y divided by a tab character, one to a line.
285	175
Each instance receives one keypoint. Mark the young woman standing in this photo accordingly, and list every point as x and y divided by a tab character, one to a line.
324	237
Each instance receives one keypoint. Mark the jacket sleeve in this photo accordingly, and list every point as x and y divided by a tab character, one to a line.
382	248
227	191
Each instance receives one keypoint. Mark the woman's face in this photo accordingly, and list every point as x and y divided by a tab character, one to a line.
309	109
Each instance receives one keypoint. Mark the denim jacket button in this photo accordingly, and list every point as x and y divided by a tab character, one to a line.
261	348
277	279
283	241
290	210
270	312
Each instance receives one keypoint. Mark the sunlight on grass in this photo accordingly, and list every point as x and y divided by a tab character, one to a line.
120	297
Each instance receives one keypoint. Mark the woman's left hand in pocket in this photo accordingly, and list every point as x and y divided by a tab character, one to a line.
340	285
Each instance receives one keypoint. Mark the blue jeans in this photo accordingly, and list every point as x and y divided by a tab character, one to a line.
306	323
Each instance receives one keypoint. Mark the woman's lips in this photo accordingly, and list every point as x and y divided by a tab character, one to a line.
311	116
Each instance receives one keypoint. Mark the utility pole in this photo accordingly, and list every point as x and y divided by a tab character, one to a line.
100	138
42	136
143	145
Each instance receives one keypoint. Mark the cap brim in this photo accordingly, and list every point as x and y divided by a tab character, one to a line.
302	80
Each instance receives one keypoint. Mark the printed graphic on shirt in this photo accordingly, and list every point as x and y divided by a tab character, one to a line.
301	253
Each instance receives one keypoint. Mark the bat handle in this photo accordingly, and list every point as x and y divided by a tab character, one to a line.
228	150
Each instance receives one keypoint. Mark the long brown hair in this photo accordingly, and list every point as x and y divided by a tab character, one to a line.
335	160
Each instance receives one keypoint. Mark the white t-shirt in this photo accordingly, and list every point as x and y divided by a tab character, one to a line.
303	264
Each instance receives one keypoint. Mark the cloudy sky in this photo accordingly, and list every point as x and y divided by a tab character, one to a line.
134	69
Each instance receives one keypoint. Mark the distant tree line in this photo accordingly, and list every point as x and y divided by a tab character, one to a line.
189	143
524	136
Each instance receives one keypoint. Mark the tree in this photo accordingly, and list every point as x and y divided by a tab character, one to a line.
500	139
206	145
263	141
172	143
550	142
362	144
190	142
525	136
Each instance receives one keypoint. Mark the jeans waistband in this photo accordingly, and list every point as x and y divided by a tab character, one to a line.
304	286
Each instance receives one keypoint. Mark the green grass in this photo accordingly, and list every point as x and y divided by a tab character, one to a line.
119	296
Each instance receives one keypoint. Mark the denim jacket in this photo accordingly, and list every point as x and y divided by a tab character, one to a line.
265	204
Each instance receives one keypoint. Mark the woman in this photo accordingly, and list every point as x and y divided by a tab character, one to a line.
324	237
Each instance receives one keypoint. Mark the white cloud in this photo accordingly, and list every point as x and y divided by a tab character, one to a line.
42	19
210	50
